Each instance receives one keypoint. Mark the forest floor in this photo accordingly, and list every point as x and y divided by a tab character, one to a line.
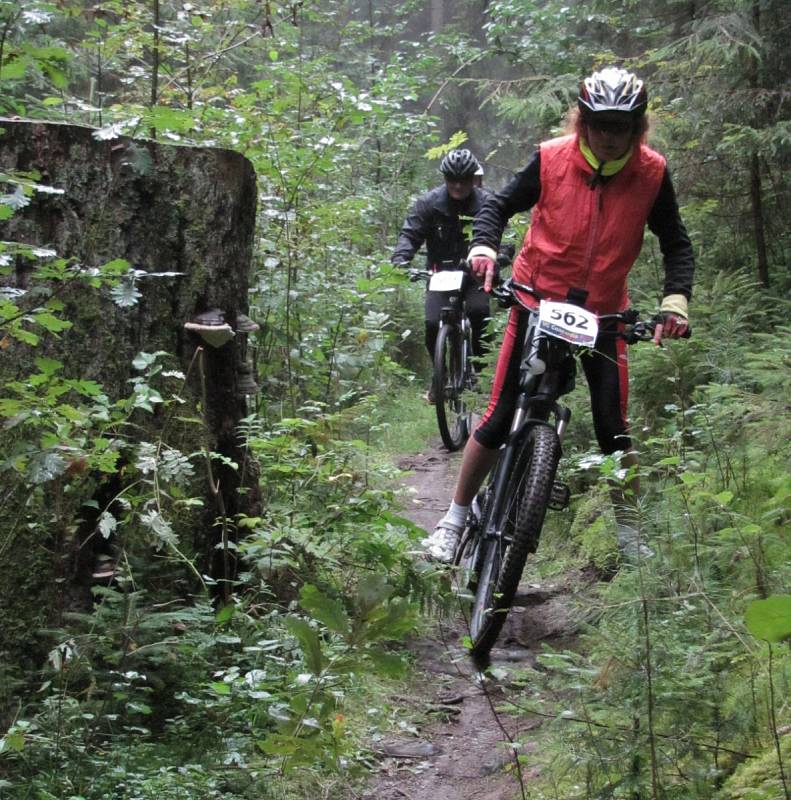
460	746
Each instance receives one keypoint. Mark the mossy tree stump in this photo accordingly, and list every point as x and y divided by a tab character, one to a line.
163	209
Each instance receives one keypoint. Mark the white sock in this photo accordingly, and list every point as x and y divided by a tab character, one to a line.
456	515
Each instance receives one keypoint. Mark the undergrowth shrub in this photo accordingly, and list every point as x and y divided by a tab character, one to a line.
669	694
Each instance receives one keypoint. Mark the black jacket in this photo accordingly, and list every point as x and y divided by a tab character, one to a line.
443	224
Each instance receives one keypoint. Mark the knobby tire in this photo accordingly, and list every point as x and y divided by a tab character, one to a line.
503	560
448	388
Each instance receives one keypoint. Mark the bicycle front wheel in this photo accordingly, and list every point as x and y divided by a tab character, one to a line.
448	388
505	551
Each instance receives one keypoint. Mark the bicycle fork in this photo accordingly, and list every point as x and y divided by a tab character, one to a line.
561	493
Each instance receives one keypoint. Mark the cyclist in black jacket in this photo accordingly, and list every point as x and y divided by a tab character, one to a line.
442	220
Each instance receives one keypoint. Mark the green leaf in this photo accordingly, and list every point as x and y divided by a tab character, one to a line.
326	610
279	745
144	360
225	614
371	591
14	742
50	322
115	267
10	408
49	366
158	117
86	388
218	687
13	70
770	619
392	665
391	621
28	337
456	140
308	639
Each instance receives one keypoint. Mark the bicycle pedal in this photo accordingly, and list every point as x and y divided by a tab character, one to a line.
560	496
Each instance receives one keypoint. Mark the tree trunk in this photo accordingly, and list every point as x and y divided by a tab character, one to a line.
759	225
437	15
163	208
756	191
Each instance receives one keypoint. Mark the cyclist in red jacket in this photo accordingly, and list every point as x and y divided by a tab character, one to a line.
592	193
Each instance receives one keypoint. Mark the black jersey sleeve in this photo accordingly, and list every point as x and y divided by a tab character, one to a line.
665	221
520	194
413	233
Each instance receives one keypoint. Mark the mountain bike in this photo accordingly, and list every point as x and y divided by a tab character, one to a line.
506	518
453	373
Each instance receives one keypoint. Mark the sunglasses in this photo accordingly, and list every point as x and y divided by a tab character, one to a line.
616	127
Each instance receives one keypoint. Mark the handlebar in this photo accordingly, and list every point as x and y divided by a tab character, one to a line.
503	260
417	274
636	329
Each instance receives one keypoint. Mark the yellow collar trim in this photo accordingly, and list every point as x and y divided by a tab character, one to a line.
609	167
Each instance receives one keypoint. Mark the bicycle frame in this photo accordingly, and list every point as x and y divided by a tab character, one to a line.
547	372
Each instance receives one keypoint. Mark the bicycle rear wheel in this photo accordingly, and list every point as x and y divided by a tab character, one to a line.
505	551
448	388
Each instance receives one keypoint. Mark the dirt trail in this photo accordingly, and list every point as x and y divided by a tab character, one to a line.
462	749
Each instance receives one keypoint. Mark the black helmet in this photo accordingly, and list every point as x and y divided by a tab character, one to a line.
459	164
613	89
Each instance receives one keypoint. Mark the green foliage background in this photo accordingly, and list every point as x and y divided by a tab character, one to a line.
155	692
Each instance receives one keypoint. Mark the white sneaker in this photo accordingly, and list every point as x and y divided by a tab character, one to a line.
442	544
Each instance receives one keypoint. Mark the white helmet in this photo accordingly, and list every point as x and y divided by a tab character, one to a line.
613	89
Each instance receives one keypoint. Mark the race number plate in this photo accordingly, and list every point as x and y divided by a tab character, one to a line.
568	322
448	280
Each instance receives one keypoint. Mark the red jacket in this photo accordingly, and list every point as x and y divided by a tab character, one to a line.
583	237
